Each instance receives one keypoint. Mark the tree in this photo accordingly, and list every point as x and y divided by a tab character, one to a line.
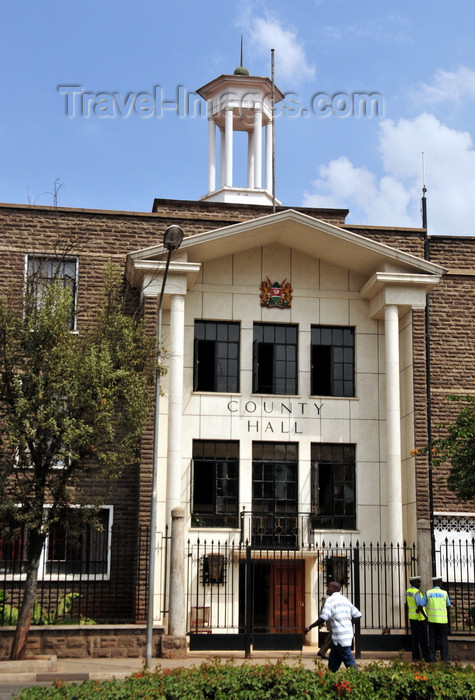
457	446
72	408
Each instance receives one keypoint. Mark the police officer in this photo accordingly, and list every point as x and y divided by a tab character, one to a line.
437	604
417	620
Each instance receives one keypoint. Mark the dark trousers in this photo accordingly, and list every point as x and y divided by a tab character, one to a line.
339	655
419	640
438	637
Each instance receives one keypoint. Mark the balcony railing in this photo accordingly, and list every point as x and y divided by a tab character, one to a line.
279	530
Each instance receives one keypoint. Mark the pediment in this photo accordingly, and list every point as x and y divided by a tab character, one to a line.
297	230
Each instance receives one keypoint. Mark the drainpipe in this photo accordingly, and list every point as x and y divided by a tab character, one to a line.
429	393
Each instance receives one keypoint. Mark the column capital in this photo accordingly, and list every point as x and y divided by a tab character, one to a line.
404	290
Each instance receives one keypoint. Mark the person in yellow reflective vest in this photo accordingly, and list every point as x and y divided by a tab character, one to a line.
437	604
417	620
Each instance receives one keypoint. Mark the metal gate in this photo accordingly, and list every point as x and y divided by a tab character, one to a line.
240	597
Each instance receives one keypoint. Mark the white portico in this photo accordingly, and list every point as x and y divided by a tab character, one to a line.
338	278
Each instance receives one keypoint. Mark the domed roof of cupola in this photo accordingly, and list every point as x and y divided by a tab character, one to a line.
241	70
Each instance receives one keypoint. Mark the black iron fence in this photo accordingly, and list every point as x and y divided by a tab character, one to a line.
234	587
257	593
455	562
104	583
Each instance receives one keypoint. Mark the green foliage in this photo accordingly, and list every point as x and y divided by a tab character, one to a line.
72	405
72	408
40	616
395	681
457	446
8	613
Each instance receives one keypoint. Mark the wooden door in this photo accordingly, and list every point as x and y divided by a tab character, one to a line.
287	597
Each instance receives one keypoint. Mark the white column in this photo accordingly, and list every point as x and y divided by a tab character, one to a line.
258	148
211	154
175	353
269	129
250	159
393	425
228	148
222	158
177	606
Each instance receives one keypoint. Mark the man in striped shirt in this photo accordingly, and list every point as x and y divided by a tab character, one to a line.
341	612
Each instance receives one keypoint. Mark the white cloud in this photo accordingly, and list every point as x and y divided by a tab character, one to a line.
290	60
267	32
343	185
393	199
448	86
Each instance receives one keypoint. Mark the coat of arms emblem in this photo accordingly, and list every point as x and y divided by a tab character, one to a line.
275	295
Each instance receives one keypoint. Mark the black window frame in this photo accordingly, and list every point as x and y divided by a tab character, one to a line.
333	486
275	359
332	361
216	357
215	481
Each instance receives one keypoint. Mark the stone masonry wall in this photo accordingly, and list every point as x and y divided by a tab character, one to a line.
78	642
452	315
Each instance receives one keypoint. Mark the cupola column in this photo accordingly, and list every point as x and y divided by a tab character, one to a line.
258	148
211	154
221	157
250	159
228	148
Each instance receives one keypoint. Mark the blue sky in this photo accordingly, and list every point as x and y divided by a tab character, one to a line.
419	57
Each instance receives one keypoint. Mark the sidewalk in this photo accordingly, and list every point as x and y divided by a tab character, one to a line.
104	669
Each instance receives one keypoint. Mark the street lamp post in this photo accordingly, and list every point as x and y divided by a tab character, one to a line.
172	239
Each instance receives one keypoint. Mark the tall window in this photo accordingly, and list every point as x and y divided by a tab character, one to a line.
42	270
274	477
274	493
216	359
333	486
275	358
333	361
215	483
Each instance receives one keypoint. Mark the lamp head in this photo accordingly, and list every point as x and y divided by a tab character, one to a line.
173	237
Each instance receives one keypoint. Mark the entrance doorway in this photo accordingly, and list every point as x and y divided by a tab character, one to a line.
274	603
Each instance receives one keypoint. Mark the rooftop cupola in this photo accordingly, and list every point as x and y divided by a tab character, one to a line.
240	102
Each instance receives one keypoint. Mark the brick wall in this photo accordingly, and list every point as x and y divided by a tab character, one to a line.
452	317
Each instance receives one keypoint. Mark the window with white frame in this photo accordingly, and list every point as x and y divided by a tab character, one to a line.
454	535
42	270
68	553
